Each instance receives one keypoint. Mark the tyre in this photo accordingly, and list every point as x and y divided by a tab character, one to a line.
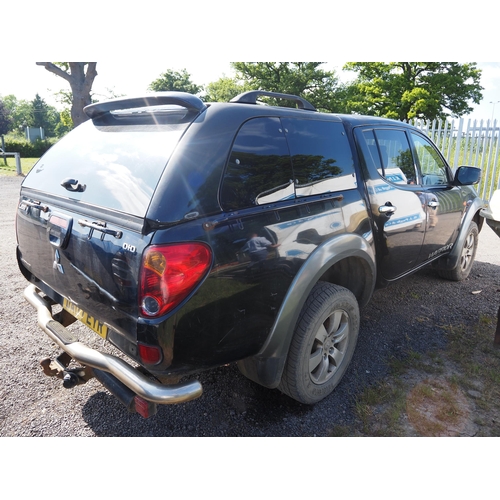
467	256
323	344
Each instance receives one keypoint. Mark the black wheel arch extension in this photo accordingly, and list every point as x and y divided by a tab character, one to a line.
348	261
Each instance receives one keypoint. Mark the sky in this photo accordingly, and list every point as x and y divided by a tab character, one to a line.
26	79
135	43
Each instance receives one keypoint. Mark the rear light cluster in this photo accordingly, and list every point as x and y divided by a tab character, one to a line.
169	273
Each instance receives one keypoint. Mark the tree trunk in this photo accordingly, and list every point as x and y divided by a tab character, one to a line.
80	83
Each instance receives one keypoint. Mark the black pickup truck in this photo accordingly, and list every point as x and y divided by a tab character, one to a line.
191	235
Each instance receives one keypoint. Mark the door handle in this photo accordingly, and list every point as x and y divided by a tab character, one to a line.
387	209
73	185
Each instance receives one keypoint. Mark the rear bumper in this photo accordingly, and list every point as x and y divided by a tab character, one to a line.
136	381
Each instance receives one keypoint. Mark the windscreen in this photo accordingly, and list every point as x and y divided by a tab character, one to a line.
115	166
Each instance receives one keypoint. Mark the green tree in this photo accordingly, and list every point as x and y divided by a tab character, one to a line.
224	89
35	113
304	79
175	80
65	123
405	90
43	115
20	113
80	76
5	118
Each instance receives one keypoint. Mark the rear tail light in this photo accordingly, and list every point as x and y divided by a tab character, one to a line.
169	273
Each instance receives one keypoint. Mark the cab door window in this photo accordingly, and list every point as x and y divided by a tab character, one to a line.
396	156
432	167
259	170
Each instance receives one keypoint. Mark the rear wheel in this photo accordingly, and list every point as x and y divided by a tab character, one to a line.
322	345
467	256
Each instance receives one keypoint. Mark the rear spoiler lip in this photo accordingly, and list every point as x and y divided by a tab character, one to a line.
188	101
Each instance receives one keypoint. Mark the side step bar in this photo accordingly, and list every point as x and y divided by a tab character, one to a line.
136	381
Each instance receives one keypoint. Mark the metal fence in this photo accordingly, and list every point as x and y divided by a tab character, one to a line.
475	142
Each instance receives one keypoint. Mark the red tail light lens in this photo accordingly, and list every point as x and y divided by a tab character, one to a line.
149	354
169	273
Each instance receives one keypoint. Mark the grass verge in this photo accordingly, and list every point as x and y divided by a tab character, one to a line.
10	168
453	392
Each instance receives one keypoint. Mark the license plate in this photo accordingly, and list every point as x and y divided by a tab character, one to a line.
86	319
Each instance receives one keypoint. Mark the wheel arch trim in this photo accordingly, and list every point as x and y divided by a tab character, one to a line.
452	260
266	367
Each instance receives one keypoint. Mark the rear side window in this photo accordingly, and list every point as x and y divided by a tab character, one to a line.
275	159
321	156
259	169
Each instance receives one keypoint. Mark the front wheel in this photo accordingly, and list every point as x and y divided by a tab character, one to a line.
323	344
467	256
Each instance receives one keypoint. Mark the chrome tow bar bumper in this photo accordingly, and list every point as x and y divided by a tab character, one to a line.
128	375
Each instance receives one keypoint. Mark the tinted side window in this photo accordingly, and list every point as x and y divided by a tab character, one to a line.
397	159
370	149
321	156
259	169
432	166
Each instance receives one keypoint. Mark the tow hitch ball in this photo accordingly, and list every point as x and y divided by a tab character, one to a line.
70	379
75	376
59	368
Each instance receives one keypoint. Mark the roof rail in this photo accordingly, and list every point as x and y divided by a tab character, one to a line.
251	98
189	101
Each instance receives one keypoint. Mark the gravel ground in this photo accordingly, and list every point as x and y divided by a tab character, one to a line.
32	404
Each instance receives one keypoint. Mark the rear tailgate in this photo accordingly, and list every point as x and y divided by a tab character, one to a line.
96	271
81	216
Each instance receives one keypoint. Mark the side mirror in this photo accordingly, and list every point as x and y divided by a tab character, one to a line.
466	176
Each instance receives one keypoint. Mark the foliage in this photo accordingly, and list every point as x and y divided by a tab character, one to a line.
43	115
406	90
304	79
65	123
175	80
20	112
35	113
224	89
5	118
26	148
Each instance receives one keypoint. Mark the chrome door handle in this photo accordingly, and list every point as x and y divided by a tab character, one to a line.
387	209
